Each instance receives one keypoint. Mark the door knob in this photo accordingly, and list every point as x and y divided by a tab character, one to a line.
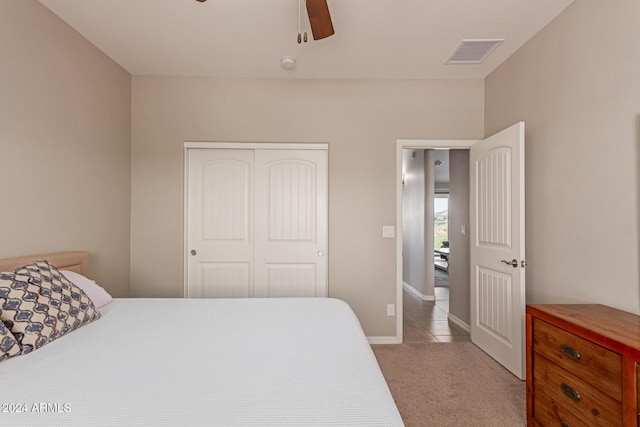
512	263
320	253
193	252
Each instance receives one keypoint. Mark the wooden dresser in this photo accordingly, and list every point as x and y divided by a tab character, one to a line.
582	366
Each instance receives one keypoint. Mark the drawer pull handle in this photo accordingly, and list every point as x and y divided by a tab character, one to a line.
570	352
565	424
570	392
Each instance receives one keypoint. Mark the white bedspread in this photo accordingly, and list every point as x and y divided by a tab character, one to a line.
203	362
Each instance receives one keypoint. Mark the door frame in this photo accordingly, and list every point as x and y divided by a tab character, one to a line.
233	146
401	144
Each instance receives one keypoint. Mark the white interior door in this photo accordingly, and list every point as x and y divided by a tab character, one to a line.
497	247
257	223
220	223
291	223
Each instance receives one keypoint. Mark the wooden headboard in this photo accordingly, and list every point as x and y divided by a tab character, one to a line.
77	261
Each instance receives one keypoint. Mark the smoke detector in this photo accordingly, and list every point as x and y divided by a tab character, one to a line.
288	62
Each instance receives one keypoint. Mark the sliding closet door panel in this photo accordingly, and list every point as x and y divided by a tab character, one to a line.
220	223
286	280
292	199
225	280
291	223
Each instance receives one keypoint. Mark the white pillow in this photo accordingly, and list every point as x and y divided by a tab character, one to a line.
98	295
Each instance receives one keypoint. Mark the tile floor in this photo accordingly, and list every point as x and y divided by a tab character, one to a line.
426	321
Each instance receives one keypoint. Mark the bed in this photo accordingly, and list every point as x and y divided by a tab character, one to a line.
199	362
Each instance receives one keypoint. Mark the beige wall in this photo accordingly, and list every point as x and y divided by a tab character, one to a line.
417	219
577	87
65	120
413	224
65	111
459	287
429	232
360	120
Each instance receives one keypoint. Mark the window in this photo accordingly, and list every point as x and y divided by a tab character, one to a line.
440	220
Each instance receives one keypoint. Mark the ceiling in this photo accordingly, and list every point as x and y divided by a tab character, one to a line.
374	39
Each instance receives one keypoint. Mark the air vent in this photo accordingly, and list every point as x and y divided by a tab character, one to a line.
473	51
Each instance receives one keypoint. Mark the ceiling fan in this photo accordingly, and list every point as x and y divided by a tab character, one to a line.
319	18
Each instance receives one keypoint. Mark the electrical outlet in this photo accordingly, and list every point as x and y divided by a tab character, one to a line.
391	310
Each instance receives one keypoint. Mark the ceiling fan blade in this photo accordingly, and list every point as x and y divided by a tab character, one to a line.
320	19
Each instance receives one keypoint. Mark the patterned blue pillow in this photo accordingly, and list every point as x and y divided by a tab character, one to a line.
38	304
8	344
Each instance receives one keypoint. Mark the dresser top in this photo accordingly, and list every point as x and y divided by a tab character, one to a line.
609	327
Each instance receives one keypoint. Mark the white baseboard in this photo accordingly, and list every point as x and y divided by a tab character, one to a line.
459	322
417	293
383	340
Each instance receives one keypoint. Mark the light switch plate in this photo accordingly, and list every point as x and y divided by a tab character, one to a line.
388	231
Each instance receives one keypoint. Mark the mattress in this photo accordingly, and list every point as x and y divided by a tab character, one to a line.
203	362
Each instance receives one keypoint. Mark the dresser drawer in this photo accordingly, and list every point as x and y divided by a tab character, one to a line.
596	365
563	397
549	412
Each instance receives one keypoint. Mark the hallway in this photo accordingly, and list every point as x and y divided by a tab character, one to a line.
426	321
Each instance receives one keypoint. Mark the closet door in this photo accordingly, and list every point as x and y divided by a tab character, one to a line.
256	223
220	223
291	223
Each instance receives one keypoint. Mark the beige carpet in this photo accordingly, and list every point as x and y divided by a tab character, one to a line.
451	384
